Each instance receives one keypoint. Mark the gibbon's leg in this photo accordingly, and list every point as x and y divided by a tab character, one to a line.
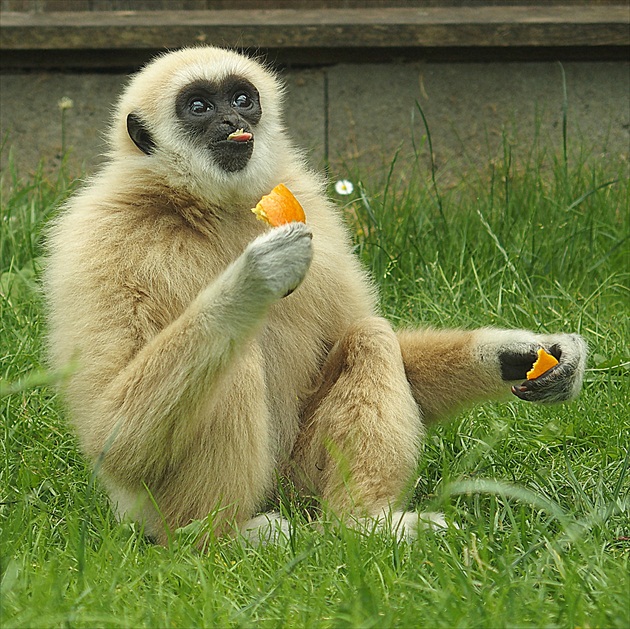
359	443
448	369
146	423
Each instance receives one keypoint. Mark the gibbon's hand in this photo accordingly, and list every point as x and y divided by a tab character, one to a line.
561	383
280	258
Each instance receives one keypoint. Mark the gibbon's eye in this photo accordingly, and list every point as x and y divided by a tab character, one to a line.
200	106
242	100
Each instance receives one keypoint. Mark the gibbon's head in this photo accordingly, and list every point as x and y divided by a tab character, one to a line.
206	119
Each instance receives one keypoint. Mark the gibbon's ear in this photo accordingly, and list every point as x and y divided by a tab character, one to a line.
139	134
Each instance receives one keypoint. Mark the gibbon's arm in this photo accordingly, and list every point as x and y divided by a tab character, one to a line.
448	369
147	410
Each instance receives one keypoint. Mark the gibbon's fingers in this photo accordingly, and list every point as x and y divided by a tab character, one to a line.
558	384
280	258
562	382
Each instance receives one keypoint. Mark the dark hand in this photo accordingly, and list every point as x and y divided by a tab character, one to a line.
558	384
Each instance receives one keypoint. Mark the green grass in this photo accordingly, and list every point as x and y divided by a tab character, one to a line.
541	493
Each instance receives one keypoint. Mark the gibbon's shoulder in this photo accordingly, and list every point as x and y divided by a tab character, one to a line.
129	186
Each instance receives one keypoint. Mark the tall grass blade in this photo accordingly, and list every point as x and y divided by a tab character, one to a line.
438	196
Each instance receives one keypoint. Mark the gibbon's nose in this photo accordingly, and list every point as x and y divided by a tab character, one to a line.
230	119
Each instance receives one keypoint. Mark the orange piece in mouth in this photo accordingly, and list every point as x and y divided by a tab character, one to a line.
543	364
279	207
240	135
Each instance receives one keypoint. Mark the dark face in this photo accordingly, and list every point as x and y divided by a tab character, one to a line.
221	118
217	117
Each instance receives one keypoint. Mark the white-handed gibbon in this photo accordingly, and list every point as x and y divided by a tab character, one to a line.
212	353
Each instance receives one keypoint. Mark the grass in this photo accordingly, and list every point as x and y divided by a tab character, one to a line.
541	493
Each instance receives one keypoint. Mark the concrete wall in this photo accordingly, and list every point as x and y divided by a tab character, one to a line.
356	116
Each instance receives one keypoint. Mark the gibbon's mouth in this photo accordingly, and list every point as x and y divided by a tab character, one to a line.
233	153
240	135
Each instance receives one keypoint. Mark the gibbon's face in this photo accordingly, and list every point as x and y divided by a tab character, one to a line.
208	119
217	116
220	118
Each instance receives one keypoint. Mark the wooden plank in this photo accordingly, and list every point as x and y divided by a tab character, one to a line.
44	6
497	26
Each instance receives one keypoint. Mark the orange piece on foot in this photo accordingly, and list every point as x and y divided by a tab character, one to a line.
279	207
543	363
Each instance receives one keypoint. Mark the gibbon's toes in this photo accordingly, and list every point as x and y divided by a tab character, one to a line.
411	523
407	524
267	528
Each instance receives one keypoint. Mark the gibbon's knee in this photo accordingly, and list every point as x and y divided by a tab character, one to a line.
359	443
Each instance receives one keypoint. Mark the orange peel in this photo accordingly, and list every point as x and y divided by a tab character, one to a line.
279	207
543	364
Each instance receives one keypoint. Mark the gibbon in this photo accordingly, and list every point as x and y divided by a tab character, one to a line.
211	353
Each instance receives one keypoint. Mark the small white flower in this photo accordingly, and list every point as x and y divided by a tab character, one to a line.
65	103
344	187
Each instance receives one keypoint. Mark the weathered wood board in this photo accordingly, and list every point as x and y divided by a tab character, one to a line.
464	26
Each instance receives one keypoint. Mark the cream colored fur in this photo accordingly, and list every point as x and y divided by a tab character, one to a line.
196	381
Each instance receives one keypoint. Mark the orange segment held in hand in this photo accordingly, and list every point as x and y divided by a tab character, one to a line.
279	207
543	364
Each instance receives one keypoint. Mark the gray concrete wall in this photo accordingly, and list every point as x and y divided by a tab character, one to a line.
361	114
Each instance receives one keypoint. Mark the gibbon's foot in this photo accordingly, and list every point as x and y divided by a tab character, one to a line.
267	528
560	383
272	528
281	257
405	525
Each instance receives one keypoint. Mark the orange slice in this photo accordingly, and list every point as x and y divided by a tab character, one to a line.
279	207
543	363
